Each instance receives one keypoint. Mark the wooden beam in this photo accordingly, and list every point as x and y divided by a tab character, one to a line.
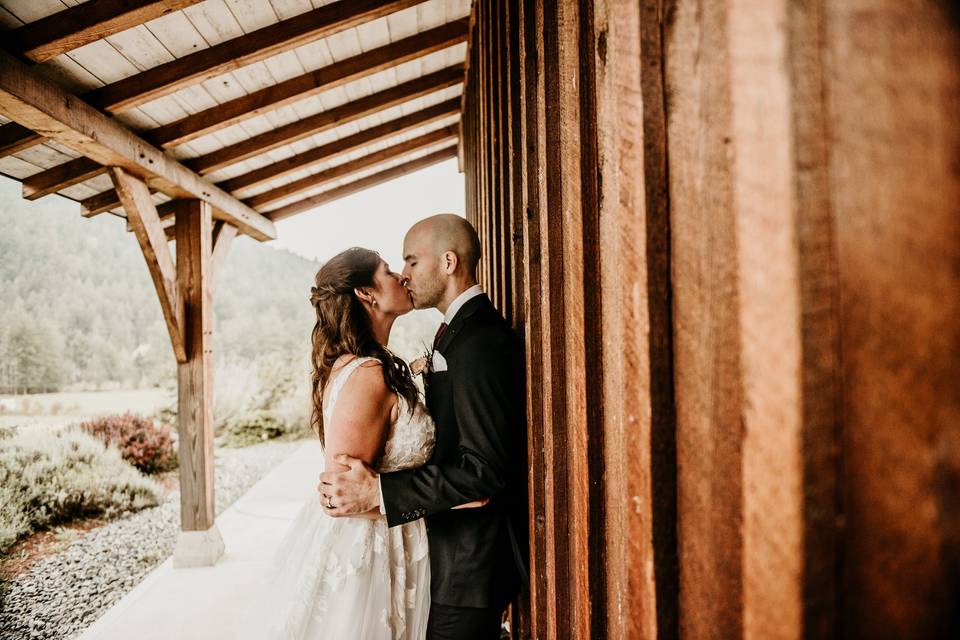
195	373
639	419
15	138
327	152
73	172
195	68
60	177
353	166
108	200
363	183
301	87
143	217
327	120
100	203
41	105
241	51
78	25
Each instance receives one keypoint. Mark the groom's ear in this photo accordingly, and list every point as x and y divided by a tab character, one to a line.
450	261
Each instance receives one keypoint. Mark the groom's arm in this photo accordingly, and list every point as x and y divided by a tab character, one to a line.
485	401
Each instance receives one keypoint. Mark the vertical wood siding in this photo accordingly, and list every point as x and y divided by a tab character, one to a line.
728	233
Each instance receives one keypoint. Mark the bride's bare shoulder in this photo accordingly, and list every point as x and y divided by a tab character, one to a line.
366	381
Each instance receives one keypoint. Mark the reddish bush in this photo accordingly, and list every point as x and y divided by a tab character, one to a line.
141	443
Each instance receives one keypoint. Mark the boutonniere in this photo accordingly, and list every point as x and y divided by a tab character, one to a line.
421	366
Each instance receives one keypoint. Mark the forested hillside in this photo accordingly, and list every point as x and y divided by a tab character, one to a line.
78	309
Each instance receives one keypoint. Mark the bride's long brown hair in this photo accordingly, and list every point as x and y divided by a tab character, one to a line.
343	326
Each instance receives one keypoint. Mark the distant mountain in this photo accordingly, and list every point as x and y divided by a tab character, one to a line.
78	308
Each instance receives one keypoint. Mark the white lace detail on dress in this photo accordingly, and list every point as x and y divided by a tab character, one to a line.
353	577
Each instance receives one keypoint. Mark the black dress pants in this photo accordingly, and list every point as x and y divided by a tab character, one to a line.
463	623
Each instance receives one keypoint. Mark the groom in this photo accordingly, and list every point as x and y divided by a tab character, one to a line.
475	393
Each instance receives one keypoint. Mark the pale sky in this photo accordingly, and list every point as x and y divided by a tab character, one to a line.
376	218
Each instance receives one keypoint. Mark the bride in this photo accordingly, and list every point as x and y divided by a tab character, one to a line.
355	577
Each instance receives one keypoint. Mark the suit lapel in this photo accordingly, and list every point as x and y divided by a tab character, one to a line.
468	309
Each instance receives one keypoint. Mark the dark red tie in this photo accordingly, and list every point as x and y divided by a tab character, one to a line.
436	338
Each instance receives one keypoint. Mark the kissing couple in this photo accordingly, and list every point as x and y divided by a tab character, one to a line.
420	528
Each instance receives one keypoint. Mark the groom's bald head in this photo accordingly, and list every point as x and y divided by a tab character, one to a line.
448	232
440	257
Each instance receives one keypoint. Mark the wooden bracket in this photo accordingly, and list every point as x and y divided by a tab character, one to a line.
145	221
223	235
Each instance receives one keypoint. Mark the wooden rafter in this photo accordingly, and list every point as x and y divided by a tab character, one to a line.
145	221
241	51
363	183
327	120
327	152
364	162
70	173
15	138
60	177
221	58
76	26
301	87
41	105
108	200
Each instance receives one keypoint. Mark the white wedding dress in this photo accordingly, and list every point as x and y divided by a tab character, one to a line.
352	578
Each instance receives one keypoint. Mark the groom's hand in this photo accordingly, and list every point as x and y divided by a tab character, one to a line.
350	492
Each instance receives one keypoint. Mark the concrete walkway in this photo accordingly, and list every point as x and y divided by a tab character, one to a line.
207	603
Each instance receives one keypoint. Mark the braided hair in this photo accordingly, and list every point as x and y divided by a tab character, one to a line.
343	327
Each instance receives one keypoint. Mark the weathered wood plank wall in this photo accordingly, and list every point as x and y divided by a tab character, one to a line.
729	233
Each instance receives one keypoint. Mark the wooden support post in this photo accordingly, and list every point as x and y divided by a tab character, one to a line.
145	222
542	582
638	406
706	325
185	290
199	543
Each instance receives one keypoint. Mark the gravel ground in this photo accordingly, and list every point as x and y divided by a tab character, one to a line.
62	594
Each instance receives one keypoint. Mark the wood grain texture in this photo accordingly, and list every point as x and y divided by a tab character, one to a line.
60	177
143	218
363	183
81	24
41	105
560	538
238	52
194	229
342	170
638	412
541	570
789	321
343	114
303	86
893	80
337	148
15	138
706	331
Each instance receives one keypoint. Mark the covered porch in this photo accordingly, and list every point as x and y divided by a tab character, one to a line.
728	232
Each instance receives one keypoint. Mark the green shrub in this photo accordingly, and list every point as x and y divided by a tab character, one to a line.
141	443
251	428
47	478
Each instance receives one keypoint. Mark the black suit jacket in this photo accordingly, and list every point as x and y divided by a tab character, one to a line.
478	407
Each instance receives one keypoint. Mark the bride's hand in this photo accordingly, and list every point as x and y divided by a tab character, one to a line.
476	504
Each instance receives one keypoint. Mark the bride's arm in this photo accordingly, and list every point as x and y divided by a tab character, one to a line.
360	421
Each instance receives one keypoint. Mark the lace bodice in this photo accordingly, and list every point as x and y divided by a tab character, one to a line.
411	437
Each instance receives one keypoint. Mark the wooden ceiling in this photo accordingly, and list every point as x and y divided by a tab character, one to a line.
263	108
